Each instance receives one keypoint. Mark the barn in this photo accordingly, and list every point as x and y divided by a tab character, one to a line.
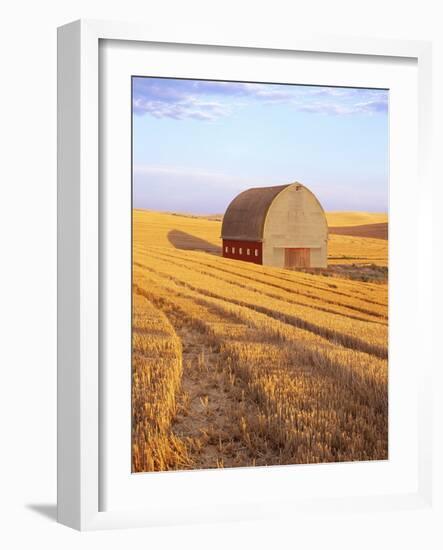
281	226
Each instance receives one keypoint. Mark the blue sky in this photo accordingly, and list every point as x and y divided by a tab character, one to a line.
196	144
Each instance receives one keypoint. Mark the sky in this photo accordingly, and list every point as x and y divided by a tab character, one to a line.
197	144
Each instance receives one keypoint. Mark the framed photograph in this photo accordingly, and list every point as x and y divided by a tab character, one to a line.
242	271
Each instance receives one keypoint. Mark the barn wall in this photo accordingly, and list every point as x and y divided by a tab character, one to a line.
295	219
319	257
230	244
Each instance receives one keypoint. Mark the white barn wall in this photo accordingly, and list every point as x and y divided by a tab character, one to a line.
295	211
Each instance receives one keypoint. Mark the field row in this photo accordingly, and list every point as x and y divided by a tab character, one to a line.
318	401
355	364
156	379
356	334
288	290
311	284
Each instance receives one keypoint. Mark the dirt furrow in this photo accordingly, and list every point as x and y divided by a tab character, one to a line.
213	407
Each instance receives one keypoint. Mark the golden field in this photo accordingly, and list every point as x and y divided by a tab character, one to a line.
236	364
355	218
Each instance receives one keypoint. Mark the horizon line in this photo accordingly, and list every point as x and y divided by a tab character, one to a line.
178	212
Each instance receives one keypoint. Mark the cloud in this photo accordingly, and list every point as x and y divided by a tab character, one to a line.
181	99
181	109
380	106
325	108
209	100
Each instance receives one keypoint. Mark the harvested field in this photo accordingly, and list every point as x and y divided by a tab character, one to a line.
336	219
237	364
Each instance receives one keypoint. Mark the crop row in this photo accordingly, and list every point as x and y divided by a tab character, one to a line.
313	409
367	292
365	336
156	377
289	291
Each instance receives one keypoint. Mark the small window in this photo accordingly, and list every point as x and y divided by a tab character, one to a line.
256	251
240	251
226	249
233	249
248	252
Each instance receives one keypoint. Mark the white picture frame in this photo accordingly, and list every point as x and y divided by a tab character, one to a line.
80	411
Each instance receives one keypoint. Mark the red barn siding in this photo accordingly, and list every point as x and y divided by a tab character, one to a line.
253	246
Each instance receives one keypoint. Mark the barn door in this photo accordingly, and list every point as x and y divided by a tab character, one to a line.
297	257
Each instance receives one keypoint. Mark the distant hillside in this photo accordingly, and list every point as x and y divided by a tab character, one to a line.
342	219
370	230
